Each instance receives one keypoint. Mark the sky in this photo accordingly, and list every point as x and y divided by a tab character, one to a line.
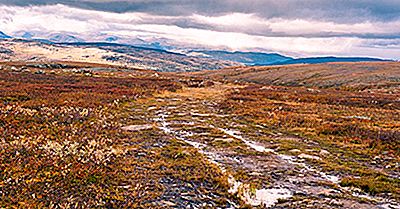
293	27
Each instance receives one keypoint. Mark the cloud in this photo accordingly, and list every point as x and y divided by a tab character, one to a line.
236	30
86	20
252	24
335	11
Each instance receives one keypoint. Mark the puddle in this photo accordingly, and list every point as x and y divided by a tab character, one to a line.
384	203
267	197
181	135
270	197
293	160
253	145
259	197
290	159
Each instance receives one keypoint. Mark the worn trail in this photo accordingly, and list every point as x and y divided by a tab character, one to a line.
258	173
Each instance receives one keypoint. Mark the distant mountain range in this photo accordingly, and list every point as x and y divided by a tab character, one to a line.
265	59
63	38
47	38
245	58
4	36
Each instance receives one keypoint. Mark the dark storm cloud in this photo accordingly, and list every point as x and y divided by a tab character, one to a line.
330	10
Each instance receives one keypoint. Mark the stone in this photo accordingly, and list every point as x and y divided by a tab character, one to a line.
168	203
228	140
311	157
137	127
295	150
324	152
151	108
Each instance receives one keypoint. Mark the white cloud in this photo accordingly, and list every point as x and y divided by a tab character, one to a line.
236	31
297	26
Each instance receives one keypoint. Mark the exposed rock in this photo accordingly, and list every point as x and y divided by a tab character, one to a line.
295	150
313	90
168	203
137	127
40	72
324	152
224	140
326	192
358	117
151	108
266	88
200	115
311	157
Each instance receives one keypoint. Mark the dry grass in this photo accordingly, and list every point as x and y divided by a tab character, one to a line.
61	143
60	139
359	127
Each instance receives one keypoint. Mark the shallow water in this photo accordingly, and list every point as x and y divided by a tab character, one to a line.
268	196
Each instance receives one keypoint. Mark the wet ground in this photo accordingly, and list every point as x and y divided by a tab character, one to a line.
249	156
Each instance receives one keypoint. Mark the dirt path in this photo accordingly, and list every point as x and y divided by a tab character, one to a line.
258	174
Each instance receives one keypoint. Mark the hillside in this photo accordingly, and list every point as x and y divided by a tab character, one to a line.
247	58
318	60
107	53
199	59
371	75
265	59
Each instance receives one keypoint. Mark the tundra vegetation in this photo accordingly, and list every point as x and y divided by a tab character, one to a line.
84	135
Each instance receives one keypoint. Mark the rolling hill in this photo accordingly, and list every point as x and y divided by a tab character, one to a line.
266	59
247	58
361	75
225	58
317	60
108	53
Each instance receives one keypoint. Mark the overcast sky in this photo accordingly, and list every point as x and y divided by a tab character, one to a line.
292	27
